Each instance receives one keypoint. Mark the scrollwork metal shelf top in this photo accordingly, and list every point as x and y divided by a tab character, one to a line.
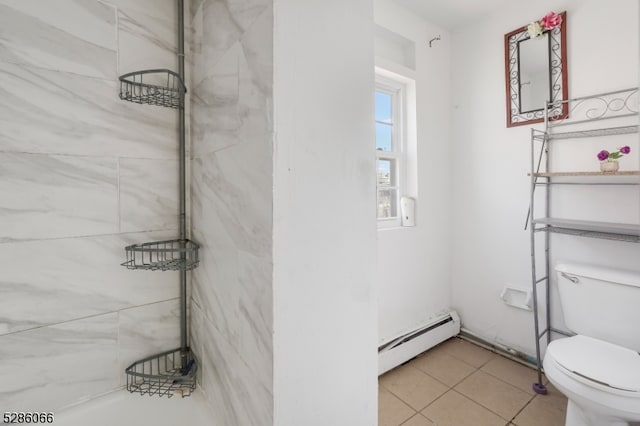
617	108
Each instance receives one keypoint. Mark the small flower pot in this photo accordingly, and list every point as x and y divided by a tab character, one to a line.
609	166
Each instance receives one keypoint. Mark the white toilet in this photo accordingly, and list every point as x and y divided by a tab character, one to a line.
598	369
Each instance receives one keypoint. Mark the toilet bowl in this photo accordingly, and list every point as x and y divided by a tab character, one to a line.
598	369
601	381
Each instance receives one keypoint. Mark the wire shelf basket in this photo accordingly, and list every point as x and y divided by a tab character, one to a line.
167	374
160	87
169	255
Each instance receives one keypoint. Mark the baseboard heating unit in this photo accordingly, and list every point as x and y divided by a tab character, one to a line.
403	348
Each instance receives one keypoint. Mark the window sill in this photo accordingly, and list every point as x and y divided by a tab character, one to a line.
384	224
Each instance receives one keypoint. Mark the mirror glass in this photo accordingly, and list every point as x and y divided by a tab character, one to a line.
535	73
535	90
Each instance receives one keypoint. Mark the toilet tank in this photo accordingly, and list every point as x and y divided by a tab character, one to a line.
601	303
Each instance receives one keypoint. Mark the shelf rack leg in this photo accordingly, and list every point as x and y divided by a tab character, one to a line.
538	387
547	242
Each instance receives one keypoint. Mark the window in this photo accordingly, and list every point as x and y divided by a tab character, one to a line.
389	99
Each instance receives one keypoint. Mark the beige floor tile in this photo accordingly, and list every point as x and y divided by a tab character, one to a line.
468	352
391	410
453	409
500	397
442	366
512	372
412	386
418	420
544	410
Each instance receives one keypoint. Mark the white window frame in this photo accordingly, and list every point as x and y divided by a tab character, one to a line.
398	153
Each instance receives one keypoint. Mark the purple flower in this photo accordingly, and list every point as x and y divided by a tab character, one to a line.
603	155
625	150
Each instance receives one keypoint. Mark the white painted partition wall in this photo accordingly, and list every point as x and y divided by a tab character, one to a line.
324	293
413	272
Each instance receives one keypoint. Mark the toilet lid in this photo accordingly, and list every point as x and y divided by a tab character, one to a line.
598	361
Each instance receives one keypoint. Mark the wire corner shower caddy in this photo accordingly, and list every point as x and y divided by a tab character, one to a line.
172	372
602	115
161	87
169	255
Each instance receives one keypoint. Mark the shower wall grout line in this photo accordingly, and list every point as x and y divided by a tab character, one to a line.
88	317
106	157
31	240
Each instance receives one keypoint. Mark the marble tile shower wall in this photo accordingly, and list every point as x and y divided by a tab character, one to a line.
232	193
82	174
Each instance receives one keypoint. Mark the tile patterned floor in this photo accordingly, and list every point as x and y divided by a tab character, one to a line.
460	384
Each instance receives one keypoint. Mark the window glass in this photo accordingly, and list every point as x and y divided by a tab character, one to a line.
384	121
387	203
383	107
386	172
388	98
383	137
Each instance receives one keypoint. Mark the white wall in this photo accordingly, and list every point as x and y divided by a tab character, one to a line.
84	174
490	165
413	272
325	358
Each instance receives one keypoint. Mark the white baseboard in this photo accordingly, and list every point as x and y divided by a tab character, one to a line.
411	344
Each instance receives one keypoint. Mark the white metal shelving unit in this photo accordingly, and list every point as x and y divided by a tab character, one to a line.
603	115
